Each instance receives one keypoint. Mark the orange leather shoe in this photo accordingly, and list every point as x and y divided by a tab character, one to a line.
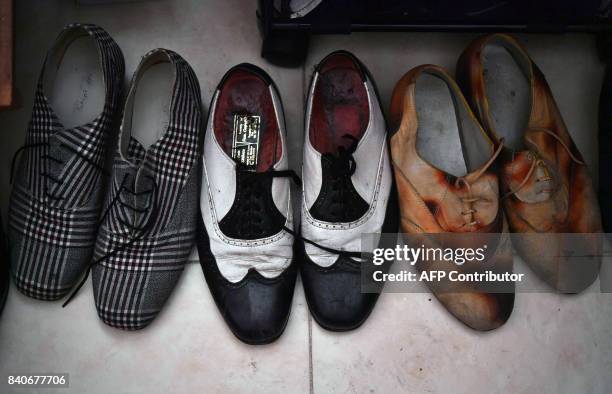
443	163
546	187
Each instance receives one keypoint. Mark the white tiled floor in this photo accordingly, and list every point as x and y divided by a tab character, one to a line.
410	343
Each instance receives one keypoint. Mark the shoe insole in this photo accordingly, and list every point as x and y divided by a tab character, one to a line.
245	123
508	93
152	100
340	105
447	135
438	139
78	93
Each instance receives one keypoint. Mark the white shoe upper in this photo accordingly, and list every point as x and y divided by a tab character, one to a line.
372	180
269	256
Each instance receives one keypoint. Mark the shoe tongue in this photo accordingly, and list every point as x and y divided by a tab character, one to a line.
136	152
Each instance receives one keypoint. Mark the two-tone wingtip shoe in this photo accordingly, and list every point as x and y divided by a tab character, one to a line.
245	237
347	190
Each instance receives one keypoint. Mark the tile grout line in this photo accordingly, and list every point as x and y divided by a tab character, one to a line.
310	363
310	366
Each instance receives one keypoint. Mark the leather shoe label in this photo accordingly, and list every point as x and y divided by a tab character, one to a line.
245	145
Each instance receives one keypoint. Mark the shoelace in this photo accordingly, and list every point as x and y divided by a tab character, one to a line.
48	157
539	162
271	173
342	165
140	230
470	199
250	210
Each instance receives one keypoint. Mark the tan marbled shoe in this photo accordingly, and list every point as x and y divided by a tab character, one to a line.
443	165
546	187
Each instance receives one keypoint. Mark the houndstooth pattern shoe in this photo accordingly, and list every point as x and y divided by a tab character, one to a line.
148	228
57	194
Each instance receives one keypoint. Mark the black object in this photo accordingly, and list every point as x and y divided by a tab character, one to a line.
338	201
4	267
285	36
605	136
253	214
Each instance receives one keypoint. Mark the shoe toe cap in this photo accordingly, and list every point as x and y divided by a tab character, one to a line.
568	270
334	296
480	311
131	300
46	272
257	308
256	313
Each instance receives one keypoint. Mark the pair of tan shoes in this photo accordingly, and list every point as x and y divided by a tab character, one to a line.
459	159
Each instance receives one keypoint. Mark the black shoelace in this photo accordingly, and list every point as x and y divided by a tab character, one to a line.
257	177
47	157
343	163
137	232
251	210
342	166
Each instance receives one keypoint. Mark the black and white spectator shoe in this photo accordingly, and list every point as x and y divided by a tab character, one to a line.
347	190
148	227
245	240
60	182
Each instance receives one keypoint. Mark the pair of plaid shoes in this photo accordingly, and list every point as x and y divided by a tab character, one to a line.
132	226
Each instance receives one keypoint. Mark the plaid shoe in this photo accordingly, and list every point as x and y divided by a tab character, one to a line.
56	199
148	228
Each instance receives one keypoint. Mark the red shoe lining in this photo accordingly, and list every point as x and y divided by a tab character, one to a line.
339	106
246	93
